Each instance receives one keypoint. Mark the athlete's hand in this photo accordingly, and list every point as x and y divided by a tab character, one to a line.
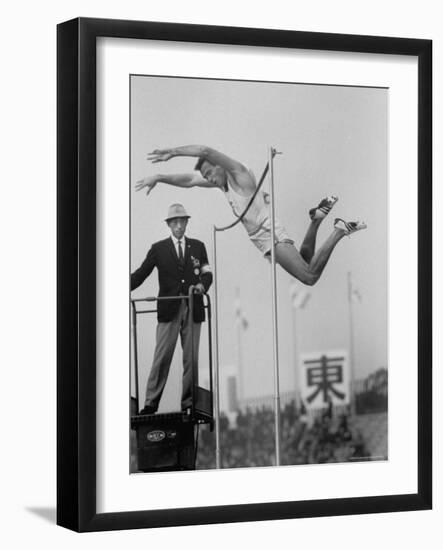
160	155
199	289
150	182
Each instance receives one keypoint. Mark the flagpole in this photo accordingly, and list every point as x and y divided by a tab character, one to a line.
274	312
351	345
294	351
239	347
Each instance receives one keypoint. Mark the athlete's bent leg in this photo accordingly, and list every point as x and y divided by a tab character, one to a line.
291	260
317	215
307	248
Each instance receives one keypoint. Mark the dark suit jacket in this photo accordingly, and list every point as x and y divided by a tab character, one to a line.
174	279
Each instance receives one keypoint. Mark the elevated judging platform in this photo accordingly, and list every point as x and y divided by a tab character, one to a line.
165	442
182	417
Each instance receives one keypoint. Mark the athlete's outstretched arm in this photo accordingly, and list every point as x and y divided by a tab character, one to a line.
178	180
201	151
237	169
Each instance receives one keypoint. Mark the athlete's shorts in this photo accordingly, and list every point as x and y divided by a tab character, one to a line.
261	237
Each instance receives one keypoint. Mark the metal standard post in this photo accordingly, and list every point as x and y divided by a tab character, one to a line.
211	376
274	312
216	356
193	374
134	327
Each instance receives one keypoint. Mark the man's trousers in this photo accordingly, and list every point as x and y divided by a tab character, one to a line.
166	340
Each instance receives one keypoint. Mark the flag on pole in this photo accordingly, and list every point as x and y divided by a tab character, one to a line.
299	296
355	296
239	315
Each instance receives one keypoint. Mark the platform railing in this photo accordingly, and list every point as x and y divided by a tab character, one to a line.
190	298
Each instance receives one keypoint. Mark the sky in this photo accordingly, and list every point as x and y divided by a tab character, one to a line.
333	140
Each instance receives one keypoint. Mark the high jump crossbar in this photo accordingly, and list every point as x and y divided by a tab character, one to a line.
268	168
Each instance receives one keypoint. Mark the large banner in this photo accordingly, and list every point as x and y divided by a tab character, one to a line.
324	378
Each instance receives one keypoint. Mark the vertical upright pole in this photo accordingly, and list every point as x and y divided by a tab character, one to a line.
211	358
274	312
216	355
351	345
134	328
194	375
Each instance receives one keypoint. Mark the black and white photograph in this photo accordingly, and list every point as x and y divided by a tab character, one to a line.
258	273
221	288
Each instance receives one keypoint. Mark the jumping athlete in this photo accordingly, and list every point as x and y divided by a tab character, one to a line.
238	184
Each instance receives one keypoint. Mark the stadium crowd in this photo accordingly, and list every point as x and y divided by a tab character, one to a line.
250	441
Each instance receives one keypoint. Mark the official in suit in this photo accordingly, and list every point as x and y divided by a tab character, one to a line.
180	262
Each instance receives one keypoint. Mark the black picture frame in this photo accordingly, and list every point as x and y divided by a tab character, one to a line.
76	265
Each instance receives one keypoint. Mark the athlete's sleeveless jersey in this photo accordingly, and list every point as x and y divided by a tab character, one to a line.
258	211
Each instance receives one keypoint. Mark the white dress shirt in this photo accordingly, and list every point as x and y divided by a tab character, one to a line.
183	245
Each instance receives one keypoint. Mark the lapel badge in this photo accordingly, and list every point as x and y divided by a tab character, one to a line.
196	264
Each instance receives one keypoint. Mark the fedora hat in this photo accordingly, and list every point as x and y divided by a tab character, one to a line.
176	211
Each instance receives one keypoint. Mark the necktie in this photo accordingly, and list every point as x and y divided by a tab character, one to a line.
180	253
